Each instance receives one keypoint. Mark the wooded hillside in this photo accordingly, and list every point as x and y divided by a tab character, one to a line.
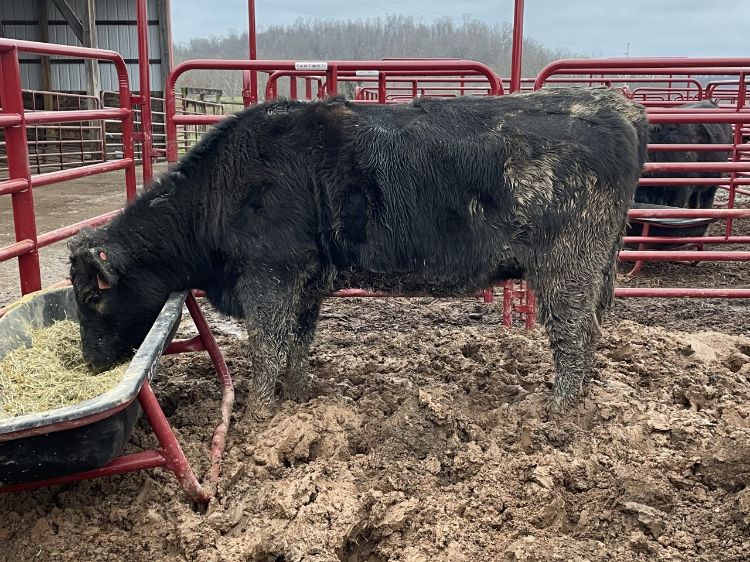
395	36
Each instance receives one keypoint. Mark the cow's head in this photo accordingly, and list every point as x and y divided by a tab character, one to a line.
117	301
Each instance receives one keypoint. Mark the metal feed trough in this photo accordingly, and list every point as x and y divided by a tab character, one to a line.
86	440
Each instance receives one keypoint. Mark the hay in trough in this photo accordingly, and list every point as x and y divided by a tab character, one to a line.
51	373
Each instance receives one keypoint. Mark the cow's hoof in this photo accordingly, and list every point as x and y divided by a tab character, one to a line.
298	396
258	408
299	390
558	406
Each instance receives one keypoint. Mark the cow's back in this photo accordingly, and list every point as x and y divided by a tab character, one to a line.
437	186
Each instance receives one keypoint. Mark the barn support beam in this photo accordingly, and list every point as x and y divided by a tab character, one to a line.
85	31
165	38
93	79
42	7
70	17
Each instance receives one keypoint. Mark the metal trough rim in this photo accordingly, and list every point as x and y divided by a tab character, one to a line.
141	368
669	222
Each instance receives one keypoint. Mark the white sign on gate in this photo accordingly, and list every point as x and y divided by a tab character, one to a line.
311	65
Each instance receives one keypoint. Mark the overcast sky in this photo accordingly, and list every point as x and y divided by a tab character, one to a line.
589	27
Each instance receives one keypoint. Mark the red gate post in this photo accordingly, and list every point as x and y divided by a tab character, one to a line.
530	308
252	75
508	303
247	95
517	53
741	91
18	168
144	88
332	80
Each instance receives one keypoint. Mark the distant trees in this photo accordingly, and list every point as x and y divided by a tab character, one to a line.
394	36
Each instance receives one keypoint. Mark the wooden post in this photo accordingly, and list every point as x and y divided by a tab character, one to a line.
165	38
45	133
93	80
43	9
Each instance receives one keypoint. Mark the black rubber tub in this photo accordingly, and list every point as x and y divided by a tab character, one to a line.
668	226
88	435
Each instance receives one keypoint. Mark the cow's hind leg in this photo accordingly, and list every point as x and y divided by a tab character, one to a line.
607	285
569	305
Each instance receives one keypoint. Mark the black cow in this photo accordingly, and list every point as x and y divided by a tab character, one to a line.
687	196
286	202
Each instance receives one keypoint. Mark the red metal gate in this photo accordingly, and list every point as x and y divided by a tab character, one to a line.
21	182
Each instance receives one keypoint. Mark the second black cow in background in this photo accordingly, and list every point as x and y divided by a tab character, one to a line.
689	196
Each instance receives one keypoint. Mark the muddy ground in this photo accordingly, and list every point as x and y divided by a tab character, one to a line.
426	439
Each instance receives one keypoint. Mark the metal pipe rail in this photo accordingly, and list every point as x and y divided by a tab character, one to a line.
331	69
46	117
694	181
687	240
716	87
14	119
650	66
382	76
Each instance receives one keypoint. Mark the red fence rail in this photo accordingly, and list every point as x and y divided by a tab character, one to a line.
387	82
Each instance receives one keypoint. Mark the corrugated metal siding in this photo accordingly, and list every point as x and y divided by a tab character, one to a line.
71	76
13	10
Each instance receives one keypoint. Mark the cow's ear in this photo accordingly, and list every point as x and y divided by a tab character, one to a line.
106	273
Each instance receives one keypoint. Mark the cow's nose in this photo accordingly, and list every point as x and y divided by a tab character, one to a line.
96	363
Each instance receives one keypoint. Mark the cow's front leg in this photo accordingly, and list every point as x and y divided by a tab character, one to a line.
268	308
267	352
281	317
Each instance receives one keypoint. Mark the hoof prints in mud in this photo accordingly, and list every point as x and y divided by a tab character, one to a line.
427	439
